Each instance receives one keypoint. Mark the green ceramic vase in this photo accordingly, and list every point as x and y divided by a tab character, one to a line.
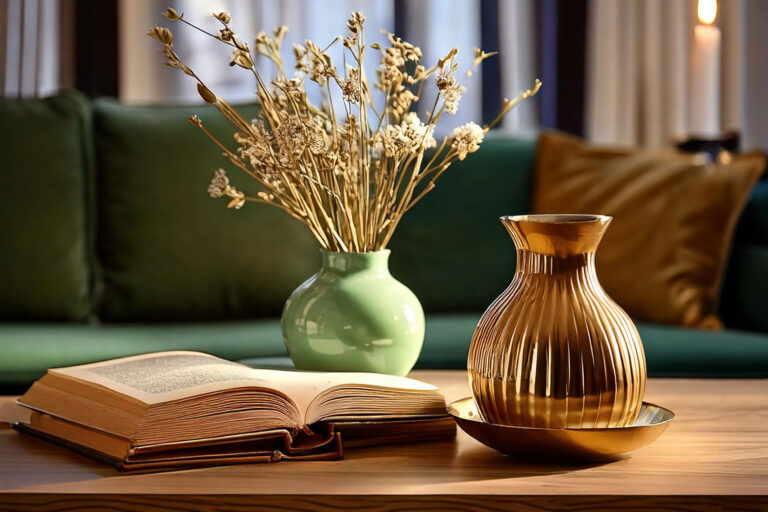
353	316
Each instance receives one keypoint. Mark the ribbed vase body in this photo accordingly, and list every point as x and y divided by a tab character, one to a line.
554	350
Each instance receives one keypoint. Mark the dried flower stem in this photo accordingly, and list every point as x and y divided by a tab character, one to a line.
350	183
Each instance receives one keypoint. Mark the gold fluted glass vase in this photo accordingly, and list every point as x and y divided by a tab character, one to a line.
554	350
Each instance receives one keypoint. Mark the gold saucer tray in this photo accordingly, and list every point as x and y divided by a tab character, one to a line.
563	445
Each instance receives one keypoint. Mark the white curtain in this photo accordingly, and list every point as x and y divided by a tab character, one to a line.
29	48
638	70
437	26
434	25
517	52
143	79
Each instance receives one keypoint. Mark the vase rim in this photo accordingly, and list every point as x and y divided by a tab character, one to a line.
352	253
559	218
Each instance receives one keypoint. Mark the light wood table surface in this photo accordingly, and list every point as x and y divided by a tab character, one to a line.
714	456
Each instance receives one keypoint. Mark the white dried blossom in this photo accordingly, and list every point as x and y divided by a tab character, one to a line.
350	88
451	92
256	146
410	136
348	180
401	102
219	184
466	139
387	76
220	187
315	140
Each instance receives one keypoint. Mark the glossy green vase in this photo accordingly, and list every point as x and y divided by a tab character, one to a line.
353	316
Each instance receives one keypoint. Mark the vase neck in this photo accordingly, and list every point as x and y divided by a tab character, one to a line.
530	263
557	236
349	262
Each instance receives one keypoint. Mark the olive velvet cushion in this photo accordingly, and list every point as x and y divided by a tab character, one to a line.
665	253
168	251
451	248
171	253
45	166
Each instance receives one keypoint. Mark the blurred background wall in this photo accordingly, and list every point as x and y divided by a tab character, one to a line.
616	71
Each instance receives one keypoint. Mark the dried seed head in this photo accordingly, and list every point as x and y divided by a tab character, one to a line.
350	88
171	14
241	58
445	81
172	59
238	199
220	187
279	33
240	45
355	23
161	34
223	16
206	94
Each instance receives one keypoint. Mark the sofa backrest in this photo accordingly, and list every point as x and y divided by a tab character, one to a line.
164	251
46	264
451	249
168	252
743	297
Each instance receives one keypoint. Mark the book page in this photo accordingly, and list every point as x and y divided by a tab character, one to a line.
303	387
167	376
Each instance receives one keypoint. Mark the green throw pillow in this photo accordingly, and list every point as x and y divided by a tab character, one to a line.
451	248
46	268
168	251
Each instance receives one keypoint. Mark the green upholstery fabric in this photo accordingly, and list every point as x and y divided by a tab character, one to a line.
28	349
168	251
742	302
451	248
45	162
170	254
753	225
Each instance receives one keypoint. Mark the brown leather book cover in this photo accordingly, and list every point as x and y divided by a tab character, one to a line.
325	441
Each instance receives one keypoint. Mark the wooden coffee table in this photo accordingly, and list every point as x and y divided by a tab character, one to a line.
713	456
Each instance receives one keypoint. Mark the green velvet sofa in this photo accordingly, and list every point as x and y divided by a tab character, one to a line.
109	246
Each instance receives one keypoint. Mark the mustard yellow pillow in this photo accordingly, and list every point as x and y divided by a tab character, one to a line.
664	255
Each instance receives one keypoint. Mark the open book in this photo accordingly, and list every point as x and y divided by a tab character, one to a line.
184	409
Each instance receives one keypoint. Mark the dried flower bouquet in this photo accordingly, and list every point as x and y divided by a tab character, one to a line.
349	182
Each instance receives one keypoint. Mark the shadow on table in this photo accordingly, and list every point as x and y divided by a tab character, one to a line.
31	458
452	461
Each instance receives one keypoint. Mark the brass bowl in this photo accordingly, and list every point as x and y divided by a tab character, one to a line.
563	444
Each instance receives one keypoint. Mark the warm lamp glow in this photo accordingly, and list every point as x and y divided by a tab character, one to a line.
707	11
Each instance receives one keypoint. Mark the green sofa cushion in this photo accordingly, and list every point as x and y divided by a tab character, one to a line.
451	248
753	225
742	303
28	349
45	256
168	251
